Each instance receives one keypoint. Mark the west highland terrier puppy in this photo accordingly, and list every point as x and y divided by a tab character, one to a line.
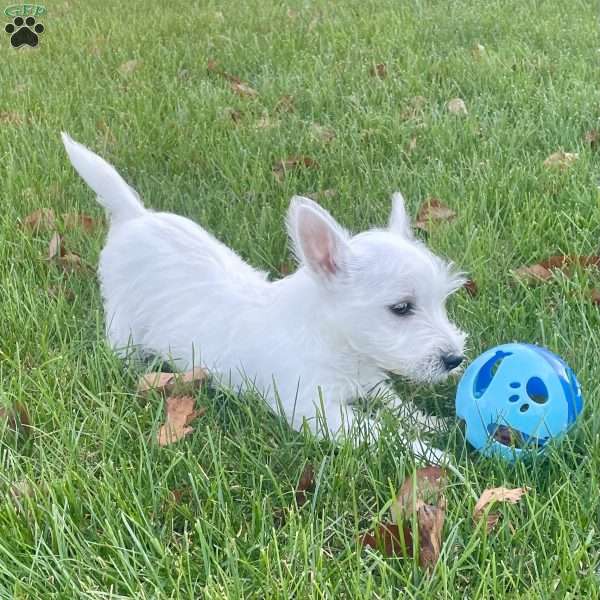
358	309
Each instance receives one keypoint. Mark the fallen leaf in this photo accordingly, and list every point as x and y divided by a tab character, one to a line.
499	494
265	122
106	132
306	483
328	193
478	51
457	106
595	296
183	74
292	14
412	145
387	540
9	117
410	505
74	220
426	486
243	89
19	491
323	133
169	383
60	292
561	160
433	209
592	138
42	219
233	114
471	288
129	67
285	104
379	70
431	524
281	167
56	247
542	271
180	412
70	262
16	418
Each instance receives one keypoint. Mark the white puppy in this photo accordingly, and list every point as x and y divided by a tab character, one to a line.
357	309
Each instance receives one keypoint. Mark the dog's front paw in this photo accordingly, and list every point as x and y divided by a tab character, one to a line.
434	456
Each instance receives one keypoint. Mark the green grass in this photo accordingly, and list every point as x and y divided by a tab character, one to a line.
101	521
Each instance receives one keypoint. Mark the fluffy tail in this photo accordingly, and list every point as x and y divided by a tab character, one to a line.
121	200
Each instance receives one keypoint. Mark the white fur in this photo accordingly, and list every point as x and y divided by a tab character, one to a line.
315	340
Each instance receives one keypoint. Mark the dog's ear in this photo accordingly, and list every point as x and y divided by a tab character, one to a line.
319	242
399	219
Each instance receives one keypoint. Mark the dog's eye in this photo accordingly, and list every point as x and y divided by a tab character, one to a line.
402	308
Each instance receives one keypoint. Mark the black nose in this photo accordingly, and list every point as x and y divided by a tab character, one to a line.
451	361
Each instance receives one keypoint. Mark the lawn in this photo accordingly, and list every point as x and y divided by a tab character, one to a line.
90	505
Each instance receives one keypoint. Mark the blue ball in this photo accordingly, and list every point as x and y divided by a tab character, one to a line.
515	398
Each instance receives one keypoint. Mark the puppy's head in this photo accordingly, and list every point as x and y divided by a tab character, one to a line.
382	290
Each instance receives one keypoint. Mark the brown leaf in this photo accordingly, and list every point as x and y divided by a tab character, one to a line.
433	209
323	133
61	292
169	383
16	418
542	271
70	262
56	247
129	67
457	106
379	70
243	89
328	193
471	287
431	524
592	138
74	220
426	486
285	104
412	145
180	412
306	483
19	491
387	540
9	117
233	114
478	51
561	160
281	167
595	296
42	219
499	494
265	122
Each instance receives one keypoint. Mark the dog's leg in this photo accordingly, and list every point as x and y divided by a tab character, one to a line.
408	411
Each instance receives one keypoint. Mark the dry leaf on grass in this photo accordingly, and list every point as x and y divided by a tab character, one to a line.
318	196
19	491
285	104
15	418
233	114
542	271
323	133
10	117
412	145
471	288
169	383
433	209
457	106
129	66
265	122
61	292
478	51
499	494
75	220
379	70
306	483
413	502
180	412
42	219
595	296
592	138
59	256
243	89
387	539
561	160
281	167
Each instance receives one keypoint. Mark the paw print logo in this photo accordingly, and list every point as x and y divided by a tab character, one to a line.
24	32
